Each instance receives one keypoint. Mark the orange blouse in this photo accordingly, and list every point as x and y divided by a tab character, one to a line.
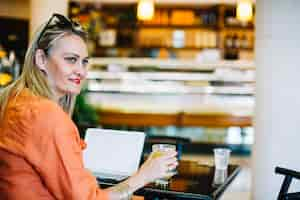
41	153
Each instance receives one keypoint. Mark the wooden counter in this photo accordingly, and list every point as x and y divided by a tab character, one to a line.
180	119
215	120
138	119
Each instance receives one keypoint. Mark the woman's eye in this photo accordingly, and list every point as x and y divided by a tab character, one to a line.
71	59
85	63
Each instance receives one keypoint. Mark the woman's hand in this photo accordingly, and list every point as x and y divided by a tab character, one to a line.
156	167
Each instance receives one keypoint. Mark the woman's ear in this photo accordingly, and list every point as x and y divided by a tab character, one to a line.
41	60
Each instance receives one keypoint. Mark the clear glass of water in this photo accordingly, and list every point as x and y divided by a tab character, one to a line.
221	157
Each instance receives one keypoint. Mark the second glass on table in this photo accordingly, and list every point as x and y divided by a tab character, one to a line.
221	157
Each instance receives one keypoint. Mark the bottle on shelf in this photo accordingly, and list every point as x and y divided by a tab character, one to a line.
231	51
205	18
212	19
236	41
244	42
228	41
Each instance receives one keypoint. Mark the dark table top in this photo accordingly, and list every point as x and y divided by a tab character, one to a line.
193	181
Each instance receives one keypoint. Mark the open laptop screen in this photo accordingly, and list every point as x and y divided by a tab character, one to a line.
113	151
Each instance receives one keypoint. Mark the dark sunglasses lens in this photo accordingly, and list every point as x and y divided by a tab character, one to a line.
75	23
63	21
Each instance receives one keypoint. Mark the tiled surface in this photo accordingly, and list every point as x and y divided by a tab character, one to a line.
240	188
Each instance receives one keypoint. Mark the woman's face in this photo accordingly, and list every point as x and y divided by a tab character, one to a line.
66	65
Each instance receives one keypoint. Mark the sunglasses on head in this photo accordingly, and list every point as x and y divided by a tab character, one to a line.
60	21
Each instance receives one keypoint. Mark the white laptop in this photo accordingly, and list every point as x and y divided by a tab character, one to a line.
113	154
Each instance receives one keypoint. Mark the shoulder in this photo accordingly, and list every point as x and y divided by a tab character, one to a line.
48	115
31	120
48	124
42	108
28	105
35	112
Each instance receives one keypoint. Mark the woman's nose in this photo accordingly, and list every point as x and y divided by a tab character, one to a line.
81	71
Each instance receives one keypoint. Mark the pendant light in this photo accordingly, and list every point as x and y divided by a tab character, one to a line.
244	10
145	9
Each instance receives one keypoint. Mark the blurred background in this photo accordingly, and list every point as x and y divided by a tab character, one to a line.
181	71
197	73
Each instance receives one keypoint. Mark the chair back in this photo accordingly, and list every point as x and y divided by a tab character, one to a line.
288	176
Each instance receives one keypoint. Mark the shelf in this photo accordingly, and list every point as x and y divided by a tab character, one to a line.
138	87
174	48
167	76
246	49
241	28
156	47
161	26
121	26
169	48
184	64
115	47
171	26
240	49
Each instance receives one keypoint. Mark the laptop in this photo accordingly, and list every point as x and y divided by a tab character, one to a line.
113	154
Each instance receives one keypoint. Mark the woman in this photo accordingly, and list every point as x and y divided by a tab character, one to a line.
40	149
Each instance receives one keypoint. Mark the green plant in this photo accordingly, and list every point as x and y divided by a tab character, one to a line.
84	115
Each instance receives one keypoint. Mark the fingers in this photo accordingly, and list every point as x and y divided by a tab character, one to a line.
170	153
170	166
171	170
164	156
171	162
167	158
171	173
163	165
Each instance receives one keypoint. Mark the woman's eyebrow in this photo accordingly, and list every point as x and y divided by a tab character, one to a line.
76	55
72	54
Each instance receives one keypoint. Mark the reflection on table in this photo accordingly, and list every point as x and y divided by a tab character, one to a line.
193	181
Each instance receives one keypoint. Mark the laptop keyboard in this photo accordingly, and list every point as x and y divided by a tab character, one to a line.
103	176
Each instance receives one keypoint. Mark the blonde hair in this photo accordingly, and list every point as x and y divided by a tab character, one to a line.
32	77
